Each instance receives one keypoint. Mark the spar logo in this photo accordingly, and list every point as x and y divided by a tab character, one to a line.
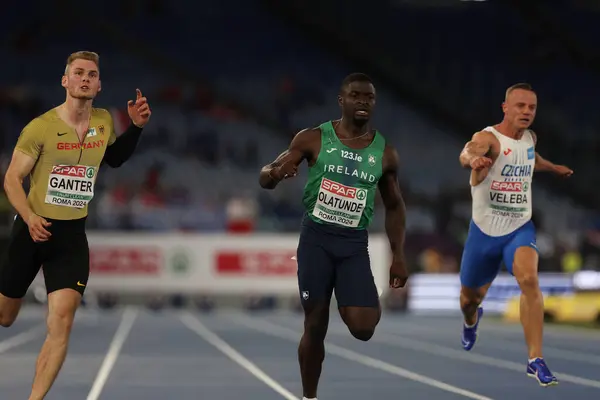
509	186
343	190
77	171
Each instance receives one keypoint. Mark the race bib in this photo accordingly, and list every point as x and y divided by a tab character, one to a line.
509	199
71	185
340	204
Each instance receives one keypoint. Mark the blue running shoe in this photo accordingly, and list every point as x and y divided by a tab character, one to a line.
469	335
539	370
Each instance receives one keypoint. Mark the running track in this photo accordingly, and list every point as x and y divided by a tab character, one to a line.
131	353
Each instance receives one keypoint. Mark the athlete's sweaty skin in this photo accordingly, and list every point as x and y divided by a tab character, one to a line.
479	154
357	101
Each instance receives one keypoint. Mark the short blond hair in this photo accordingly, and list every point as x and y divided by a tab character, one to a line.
516	86
82	55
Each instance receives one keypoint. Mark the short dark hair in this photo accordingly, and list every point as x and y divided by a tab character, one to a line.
522	86
355	77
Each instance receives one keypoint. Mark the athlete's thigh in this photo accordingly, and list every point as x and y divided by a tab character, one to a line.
315	271
481	259
67	263
354	282
20	262
524	241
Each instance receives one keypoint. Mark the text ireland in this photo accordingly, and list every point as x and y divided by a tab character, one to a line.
343	170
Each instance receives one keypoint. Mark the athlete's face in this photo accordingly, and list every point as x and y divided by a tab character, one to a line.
520	108
357	101
82	80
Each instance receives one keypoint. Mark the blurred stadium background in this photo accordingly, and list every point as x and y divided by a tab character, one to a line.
230	82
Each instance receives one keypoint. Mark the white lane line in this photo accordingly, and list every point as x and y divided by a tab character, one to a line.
550	351
448	352
443	351
291	335
21	338
127	321
198	327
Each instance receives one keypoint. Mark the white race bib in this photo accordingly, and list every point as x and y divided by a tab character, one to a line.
340	204
71	185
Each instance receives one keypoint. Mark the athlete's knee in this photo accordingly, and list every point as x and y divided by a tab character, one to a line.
363	334
316	323
9	309
315	331
8	317
471	296
525	269
361	321
528	282
6	321
470	299
60	324
62	306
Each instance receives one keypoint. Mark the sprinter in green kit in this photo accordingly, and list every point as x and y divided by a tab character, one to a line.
348	161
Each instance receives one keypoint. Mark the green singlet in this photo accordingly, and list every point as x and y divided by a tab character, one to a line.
342	184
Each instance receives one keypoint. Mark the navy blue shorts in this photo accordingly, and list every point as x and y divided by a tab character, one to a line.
331	257
483	255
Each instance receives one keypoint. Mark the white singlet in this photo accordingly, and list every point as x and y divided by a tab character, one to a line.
502	201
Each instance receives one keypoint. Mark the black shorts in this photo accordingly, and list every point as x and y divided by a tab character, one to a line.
331	257
64	258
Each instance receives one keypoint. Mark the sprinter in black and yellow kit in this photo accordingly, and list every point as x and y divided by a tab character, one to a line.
61	152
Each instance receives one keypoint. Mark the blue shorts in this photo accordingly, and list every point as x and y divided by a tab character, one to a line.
335	258
483	255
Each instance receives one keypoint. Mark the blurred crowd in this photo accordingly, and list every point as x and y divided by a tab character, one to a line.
154	201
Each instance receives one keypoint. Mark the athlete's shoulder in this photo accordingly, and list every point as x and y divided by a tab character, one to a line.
101	113
533	136
486	133
391	157
309	133
41	122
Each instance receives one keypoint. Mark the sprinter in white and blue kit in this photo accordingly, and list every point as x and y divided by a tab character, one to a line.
502	159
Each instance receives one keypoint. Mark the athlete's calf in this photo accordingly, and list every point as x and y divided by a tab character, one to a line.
525	270
62	305
311	351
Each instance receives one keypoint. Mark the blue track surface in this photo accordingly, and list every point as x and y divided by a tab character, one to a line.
232	355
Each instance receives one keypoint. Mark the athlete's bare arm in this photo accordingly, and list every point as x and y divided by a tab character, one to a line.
543	165
477	152
395	215
20	166
303	147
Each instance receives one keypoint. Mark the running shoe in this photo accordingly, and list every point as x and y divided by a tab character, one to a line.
469	335
539	370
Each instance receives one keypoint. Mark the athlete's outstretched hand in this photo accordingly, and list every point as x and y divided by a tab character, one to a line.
286	170
139	110
479	163
37	228
398	274
563	171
